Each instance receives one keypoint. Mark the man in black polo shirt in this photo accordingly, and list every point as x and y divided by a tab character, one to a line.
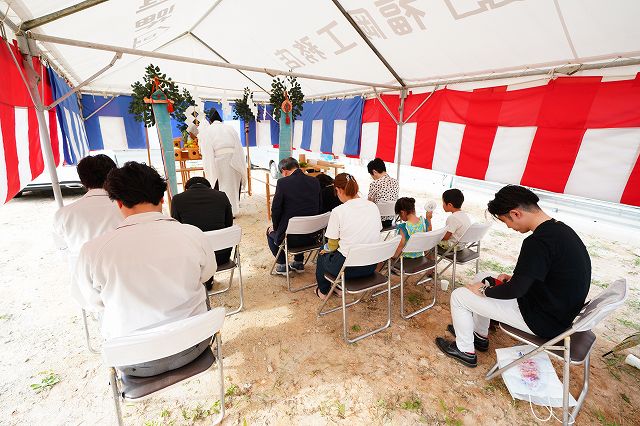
206	208
546	292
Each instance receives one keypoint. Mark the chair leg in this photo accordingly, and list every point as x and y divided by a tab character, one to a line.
585	387
86	333
220	415
565	381
453	275
275	261
372	332
113	379
239	308
213	293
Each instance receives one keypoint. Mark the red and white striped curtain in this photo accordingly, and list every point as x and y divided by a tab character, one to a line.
20	150
574	135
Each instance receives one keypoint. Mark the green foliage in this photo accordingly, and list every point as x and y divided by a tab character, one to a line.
356	328
413	404
492	265
232	390
6	317
603	420
629	324
277	96
200	413
143	112
241	108
49	380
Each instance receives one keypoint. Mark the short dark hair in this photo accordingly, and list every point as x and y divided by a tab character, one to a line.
288	163
197	179
325	180
376	164
453	196
511	197
406	204
135	183
93	170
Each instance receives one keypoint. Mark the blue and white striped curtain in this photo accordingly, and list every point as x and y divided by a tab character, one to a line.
74	136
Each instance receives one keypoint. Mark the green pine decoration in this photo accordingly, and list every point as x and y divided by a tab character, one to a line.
241	108
143	112
277	96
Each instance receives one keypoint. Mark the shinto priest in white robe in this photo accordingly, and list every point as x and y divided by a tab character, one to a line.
223	160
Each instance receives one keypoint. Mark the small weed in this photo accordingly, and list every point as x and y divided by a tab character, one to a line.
356	328
49	380
636	261
462	410
452	422
153	423
489	388
413	404
629	324
199	412
634	303
492	265
625	398
612	364
443	405
415	299
6	317
165	413
232	390
342	409
603	420
599	283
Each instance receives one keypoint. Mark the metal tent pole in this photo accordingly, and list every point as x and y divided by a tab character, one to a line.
403	95
45	138
190	60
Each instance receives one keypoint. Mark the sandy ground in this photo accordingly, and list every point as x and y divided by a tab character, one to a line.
283	364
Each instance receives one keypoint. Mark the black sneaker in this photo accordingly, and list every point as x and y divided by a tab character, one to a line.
479	342
451	350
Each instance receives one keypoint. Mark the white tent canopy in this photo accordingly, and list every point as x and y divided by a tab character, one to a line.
411	43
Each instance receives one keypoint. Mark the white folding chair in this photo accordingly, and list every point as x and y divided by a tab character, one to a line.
222	239
160	342
363	255
470	243
302	225
426	242
578	341
387	209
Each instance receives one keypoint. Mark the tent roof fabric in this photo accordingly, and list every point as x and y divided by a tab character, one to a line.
421	40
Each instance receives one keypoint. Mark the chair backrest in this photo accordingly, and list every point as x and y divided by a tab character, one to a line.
162	341
476	232
423	241
387	208
224	238
599	308
307	224
369	254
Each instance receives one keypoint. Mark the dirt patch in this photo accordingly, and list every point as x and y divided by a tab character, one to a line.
283	364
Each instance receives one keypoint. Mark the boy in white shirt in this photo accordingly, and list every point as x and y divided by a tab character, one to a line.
458	222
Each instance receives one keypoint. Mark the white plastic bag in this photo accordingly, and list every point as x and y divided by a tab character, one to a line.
535	380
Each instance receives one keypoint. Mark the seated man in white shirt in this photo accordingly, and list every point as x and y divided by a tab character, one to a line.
90	216
148	271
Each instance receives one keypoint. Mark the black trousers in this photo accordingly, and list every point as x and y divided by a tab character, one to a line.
293	242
